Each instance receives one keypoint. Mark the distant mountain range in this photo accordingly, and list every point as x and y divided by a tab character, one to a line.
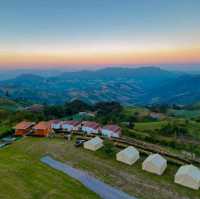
126	85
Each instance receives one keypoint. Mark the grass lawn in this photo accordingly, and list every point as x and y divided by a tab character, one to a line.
129	111
149	126
4	129
194	129
23	176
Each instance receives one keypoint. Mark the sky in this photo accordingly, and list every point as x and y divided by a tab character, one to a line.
99	33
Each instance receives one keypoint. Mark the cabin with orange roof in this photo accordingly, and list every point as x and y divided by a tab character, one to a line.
23	128
42	129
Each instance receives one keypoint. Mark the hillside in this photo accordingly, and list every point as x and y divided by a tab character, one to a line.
9	104
124	85
183	90
23	176
26	177
176	135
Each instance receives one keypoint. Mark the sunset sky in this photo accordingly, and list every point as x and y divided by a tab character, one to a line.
91	33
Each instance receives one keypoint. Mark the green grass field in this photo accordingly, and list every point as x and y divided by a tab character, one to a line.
135	110
23	176
4	129
149	126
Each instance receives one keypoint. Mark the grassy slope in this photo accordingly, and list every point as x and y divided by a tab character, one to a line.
8	104
154	127
27	178
146	126
133	110
24	177
188	114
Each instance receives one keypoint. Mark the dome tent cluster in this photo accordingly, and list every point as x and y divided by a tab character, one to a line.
187	175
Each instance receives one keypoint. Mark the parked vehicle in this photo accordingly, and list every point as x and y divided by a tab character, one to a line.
79	142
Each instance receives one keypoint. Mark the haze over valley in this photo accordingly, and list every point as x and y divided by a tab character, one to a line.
129	86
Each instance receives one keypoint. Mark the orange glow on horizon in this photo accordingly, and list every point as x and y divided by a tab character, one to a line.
95	57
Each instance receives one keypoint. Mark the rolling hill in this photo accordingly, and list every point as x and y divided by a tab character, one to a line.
183	90
126	85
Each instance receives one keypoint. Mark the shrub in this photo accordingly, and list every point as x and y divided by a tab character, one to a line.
109	149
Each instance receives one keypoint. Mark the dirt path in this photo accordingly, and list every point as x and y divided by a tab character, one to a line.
99	187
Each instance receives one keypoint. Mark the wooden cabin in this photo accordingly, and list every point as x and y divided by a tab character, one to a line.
71	125
111	130
91	127
56	124
42	129
23	128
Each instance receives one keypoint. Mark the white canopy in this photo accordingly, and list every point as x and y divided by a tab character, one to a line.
155	163
93	144
189	176
128	156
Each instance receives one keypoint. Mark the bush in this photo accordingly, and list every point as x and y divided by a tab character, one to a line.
174	129
5	131
109	149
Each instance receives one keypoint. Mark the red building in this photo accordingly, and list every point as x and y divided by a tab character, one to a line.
42	129
23	128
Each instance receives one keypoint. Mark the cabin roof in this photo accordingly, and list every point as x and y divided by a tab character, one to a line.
91	124
72	122
112	127
55	121
42	125
24	125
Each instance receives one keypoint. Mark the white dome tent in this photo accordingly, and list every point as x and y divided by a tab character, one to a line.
128	156
93	144
155	163
188	176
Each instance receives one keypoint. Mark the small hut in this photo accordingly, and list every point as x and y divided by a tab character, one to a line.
23	128
111	130
71	125
188	176
128	156
42	129
93	144
55	124
90	127
155	163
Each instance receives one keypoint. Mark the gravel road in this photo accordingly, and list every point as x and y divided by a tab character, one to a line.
105	191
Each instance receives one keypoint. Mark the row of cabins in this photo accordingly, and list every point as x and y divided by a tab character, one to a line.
42	129
45	128
88	127
187	175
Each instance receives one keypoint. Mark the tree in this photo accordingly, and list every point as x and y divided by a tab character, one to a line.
76	106
108	108
159	108
54	111
132	119
174	129
109	148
